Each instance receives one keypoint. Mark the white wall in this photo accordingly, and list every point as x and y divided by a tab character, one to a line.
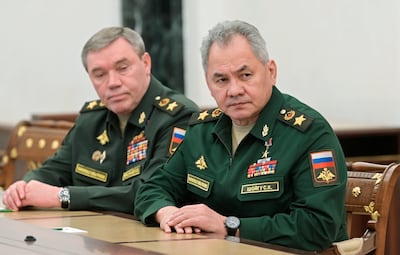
40	45
341	57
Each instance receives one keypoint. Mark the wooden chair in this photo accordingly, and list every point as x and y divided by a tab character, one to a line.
67	116
373	206
30	143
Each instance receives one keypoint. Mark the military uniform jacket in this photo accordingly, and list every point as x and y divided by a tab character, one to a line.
286	181
103	167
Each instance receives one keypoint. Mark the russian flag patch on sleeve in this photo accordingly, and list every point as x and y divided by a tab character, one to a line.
177	137
323	168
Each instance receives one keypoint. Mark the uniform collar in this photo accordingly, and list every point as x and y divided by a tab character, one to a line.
268	116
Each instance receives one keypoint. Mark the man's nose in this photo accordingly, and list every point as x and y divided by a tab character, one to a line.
113	79
235	88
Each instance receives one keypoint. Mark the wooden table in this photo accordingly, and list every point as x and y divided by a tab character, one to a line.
111	233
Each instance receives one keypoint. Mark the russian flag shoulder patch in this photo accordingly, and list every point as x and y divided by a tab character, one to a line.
177	137
323	168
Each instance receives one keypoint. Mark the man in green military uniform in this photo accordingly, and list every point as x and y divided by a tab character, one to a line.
262	166
118	141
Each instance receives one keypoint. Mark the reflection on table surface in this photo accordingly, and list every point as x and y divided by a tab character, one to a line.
111	233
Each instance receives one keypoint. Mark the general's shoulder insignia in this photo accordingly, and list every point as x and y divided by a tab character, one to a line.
167	104
177	137
94	105
205	116
323	168
295	119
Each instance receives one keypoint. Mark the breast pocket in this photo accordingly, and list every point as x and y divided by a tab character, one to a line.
261	188
199	183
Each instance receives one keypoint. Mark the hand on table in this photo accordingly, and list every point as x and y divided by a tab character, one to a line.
33	193
191	218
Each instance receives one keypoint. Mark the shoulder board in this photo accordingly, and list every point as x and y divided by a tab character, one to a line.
94	105
167	104
295	118
205	116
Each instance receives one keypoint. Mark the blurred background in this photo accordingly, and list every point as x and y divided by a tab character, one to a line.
341	57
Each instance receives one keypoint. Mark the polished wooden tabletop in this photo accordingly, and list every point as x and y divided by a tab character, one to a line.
111	233
18	237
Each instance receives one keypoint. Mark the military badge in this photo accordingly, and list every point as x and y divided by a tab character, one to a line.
164	102
203	115
323	168
295	119
172	106
264	165
142	118
177	137
201	163
91	105
103	138
99	156
265	130
137	149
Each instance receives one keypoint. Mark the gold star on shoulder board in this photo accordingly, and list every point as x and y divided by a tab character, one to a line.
203	115
91	105
299	120
172	106
103	138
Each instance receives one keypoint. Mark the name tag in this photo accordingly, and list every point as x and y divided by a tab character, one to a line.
261	187
91	173
198	182
131	173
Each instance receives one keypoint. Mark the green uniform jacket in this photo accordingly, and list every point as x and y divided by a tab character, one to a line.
104	168
286	181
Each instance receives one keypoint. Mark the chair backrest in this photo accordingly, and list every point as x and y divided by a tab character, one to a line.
67	116
30	143
373	203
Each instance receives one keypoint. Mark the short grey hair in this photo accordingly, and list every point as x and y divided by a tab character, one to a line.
106	36
223	32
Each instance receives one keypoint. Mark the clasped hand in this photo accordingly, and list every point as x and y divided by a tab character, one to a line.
191	219
32	193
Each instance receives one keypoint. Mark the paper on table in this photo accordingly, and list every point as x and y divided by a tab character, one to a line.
3	209
70	230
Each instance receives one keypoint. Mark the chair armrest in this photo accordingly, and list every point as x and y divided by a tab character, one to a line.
354	246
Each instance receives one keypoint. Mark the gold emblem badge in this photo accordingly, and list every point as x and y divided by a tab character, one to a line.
163	102
103	138
326	175
265	130
142	117
216	113
288	115
99	156
201	163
